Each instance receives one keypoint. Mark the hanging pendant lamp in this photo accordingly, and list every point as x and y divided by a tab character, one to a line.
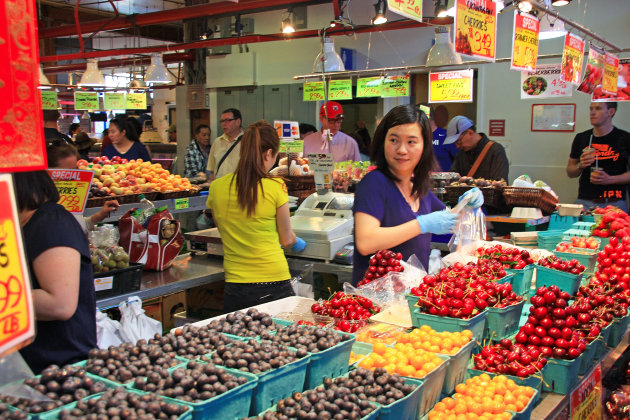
157	72
92	75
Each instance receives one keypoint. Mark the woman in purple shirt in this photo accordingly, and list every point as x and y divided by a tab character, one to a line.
394	207
125	142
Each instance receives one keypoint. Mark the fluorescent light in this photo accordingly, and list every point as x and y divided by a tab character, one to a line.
551	27
559	3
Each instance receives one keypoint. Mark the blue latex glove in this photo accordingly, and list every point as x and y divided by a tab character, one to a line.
438	222
476	199
299	246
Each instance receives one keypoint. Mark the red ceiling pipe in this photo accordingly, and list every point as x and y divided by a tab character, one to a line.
173	15
248	39
103	64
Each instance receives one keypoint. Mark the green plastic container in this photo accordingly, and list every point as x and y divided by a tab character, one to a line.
561	375
587	260
587	218
549	239
277	384
600	349
588	357
457	366
557	222
372	416
432	388
618	330
526	413
405	408
565	281
502	322
535	381
522	279
475	324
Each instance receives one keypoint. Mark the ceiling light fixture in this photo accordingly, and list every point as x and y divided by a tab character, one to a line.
92	75
500	5
157	72
525	6
76	119
550	26
559	3
379	18
328	59
85	116
441	10
287	23
43	80
442	52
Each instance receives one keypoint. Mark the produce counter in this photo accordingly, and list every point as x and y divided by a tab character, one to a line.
196	203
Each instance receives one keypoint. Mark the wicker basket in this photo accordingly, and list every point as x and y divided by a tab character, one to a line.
530	197
300	182
96	201
491	196
454	192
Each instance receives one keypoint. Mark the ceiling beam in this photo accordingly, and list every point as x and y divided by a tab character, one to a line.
121	62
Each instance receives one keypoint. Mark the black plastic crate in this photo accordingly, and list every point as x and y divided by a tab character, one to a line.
124	280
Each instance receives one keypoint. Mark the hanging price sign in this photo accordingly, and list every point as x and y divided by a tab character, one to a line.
313	91
73	186
586	399
85	100
476	28
369	87
16	308
49	99
340	89
525	42
395	86
544	82
136	101
114	101
611	72
572	58
407	8
594	70
451	86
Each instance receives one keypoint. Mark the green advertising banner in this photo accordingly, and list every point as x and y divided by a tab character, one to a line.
85	100
114	101
136	101
295	146
49	99
340	89
313	91
395	86
368	87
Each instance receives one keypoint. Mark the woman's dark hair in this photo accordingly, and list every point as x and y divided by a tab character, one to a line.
123	125
258	138
32	189
405	114
136	125
56	152
73	128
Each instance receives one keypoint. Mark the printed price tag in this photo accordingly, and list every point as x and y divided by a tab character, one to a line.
136	101
340	89
368	87
594	70
611	72
295	146
114	101
313	91
181	203
525	42
85	100
451	86
544	82
16	308
586	399
103	283
322	165
73	186
476	28
394	86
572	58
408	8
49	99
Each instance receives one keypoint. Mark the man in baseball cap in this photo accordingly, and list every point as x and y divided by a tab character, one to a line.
329	139
478	156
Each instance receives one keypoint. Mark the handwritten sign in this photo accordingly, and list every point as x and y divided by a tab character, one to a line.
181	203
313	91
411	9
476	28
394	86
136	101
73	186
451	86
594	70
16	307
322	166
525	42
586	399
340	89
572	57
49	99
291	146
85	100
114	100
544	82
611	72
368	87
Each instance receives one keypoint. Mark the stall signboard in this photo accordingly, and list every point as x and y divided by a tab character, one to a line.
49	99
611	72
22	144
322	165
451	86
572	57
339	90
113	100
544	82
291	146
86	101
394	86
594	70
476	28
287	129
411	9
136	101
623	85
525	42
369	87
17	319
73	186
586	398
313	91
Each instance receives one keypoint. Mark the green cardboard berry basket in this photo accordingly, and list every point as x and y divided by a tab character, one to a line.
457	366
475	324
534	381
567	282
619	328
600	349
502	322
561	375
372	416
433	383
522	279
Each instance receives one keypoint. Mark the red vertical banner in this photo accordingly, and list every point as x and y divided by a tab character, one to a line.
611	73
22	144
572	57
525	42
476	28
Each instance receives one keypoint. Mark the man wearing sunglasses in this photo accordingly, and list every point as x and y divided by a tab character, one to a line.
226	149
342	146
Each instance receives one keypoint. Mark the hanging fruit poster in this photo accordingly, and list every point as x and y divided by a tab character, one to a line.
623	85
476	28
525	42
611	72
594	70
572	56
544	82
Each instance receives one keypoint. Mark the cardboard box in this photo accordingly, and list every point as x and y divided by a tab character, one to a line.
153	308
206	300
172	304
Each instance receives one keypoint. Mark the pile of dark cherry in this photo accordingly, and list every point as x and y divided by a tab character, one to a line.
380	264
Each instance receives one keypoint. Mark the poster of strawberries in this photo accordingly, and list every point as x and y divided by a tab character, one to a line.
572	58
475	28
594	70
623	85
611	72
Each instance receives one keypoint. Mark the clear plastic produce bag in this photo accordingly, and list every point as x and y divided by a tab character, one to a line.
108	331
470	228
302	279
104	236
134	324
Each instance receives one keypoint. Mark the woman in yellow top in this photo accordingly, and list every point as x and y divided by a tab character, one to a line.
251	210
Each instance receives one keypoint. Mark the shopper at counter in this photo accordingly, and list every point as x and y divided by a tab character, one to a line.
444	153
611	147
75	128
251	210
478	156
226	149
196	158
341	146
60	268
125	142
394	207
52	135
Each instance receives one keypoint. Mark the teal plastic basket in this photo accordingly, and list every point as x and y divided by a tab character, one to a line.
601	349
561	375
567	282
277	384
583	226
475	324
412	300
557	222
587	260
587	357
502	322
618	330
522	279
372	416
432	389
549	239
587	218
405	408
526	413
535	381
457	366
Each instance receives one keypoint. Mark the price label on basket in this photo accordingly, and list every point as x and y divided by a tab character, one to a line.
103	283
322	165
586	399
73	186
181	203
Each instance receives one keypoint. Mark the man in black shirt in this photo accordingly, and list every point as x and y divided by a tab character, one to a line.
599	156
51	128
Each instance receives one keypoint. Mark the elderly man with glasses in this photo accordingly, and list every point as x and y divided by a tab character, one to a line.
340	145
226	149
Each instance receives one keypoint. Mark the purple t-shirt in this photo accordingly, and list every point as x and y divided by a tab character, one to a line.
378	196
137	151
343	147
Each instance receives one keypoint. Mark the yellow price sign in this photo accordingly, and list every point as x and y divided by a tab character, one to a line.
73	186
572	57
408	8
476	28
525	42
114	100
340	89
369	87
136	101
586	398
313	91
394	86
451	86
611	72
85	100
49	99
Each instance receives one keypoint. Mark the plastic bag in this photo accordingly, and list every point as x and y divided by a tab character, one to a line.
470	228
435	261
134	324
302	283
107	331
104	236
